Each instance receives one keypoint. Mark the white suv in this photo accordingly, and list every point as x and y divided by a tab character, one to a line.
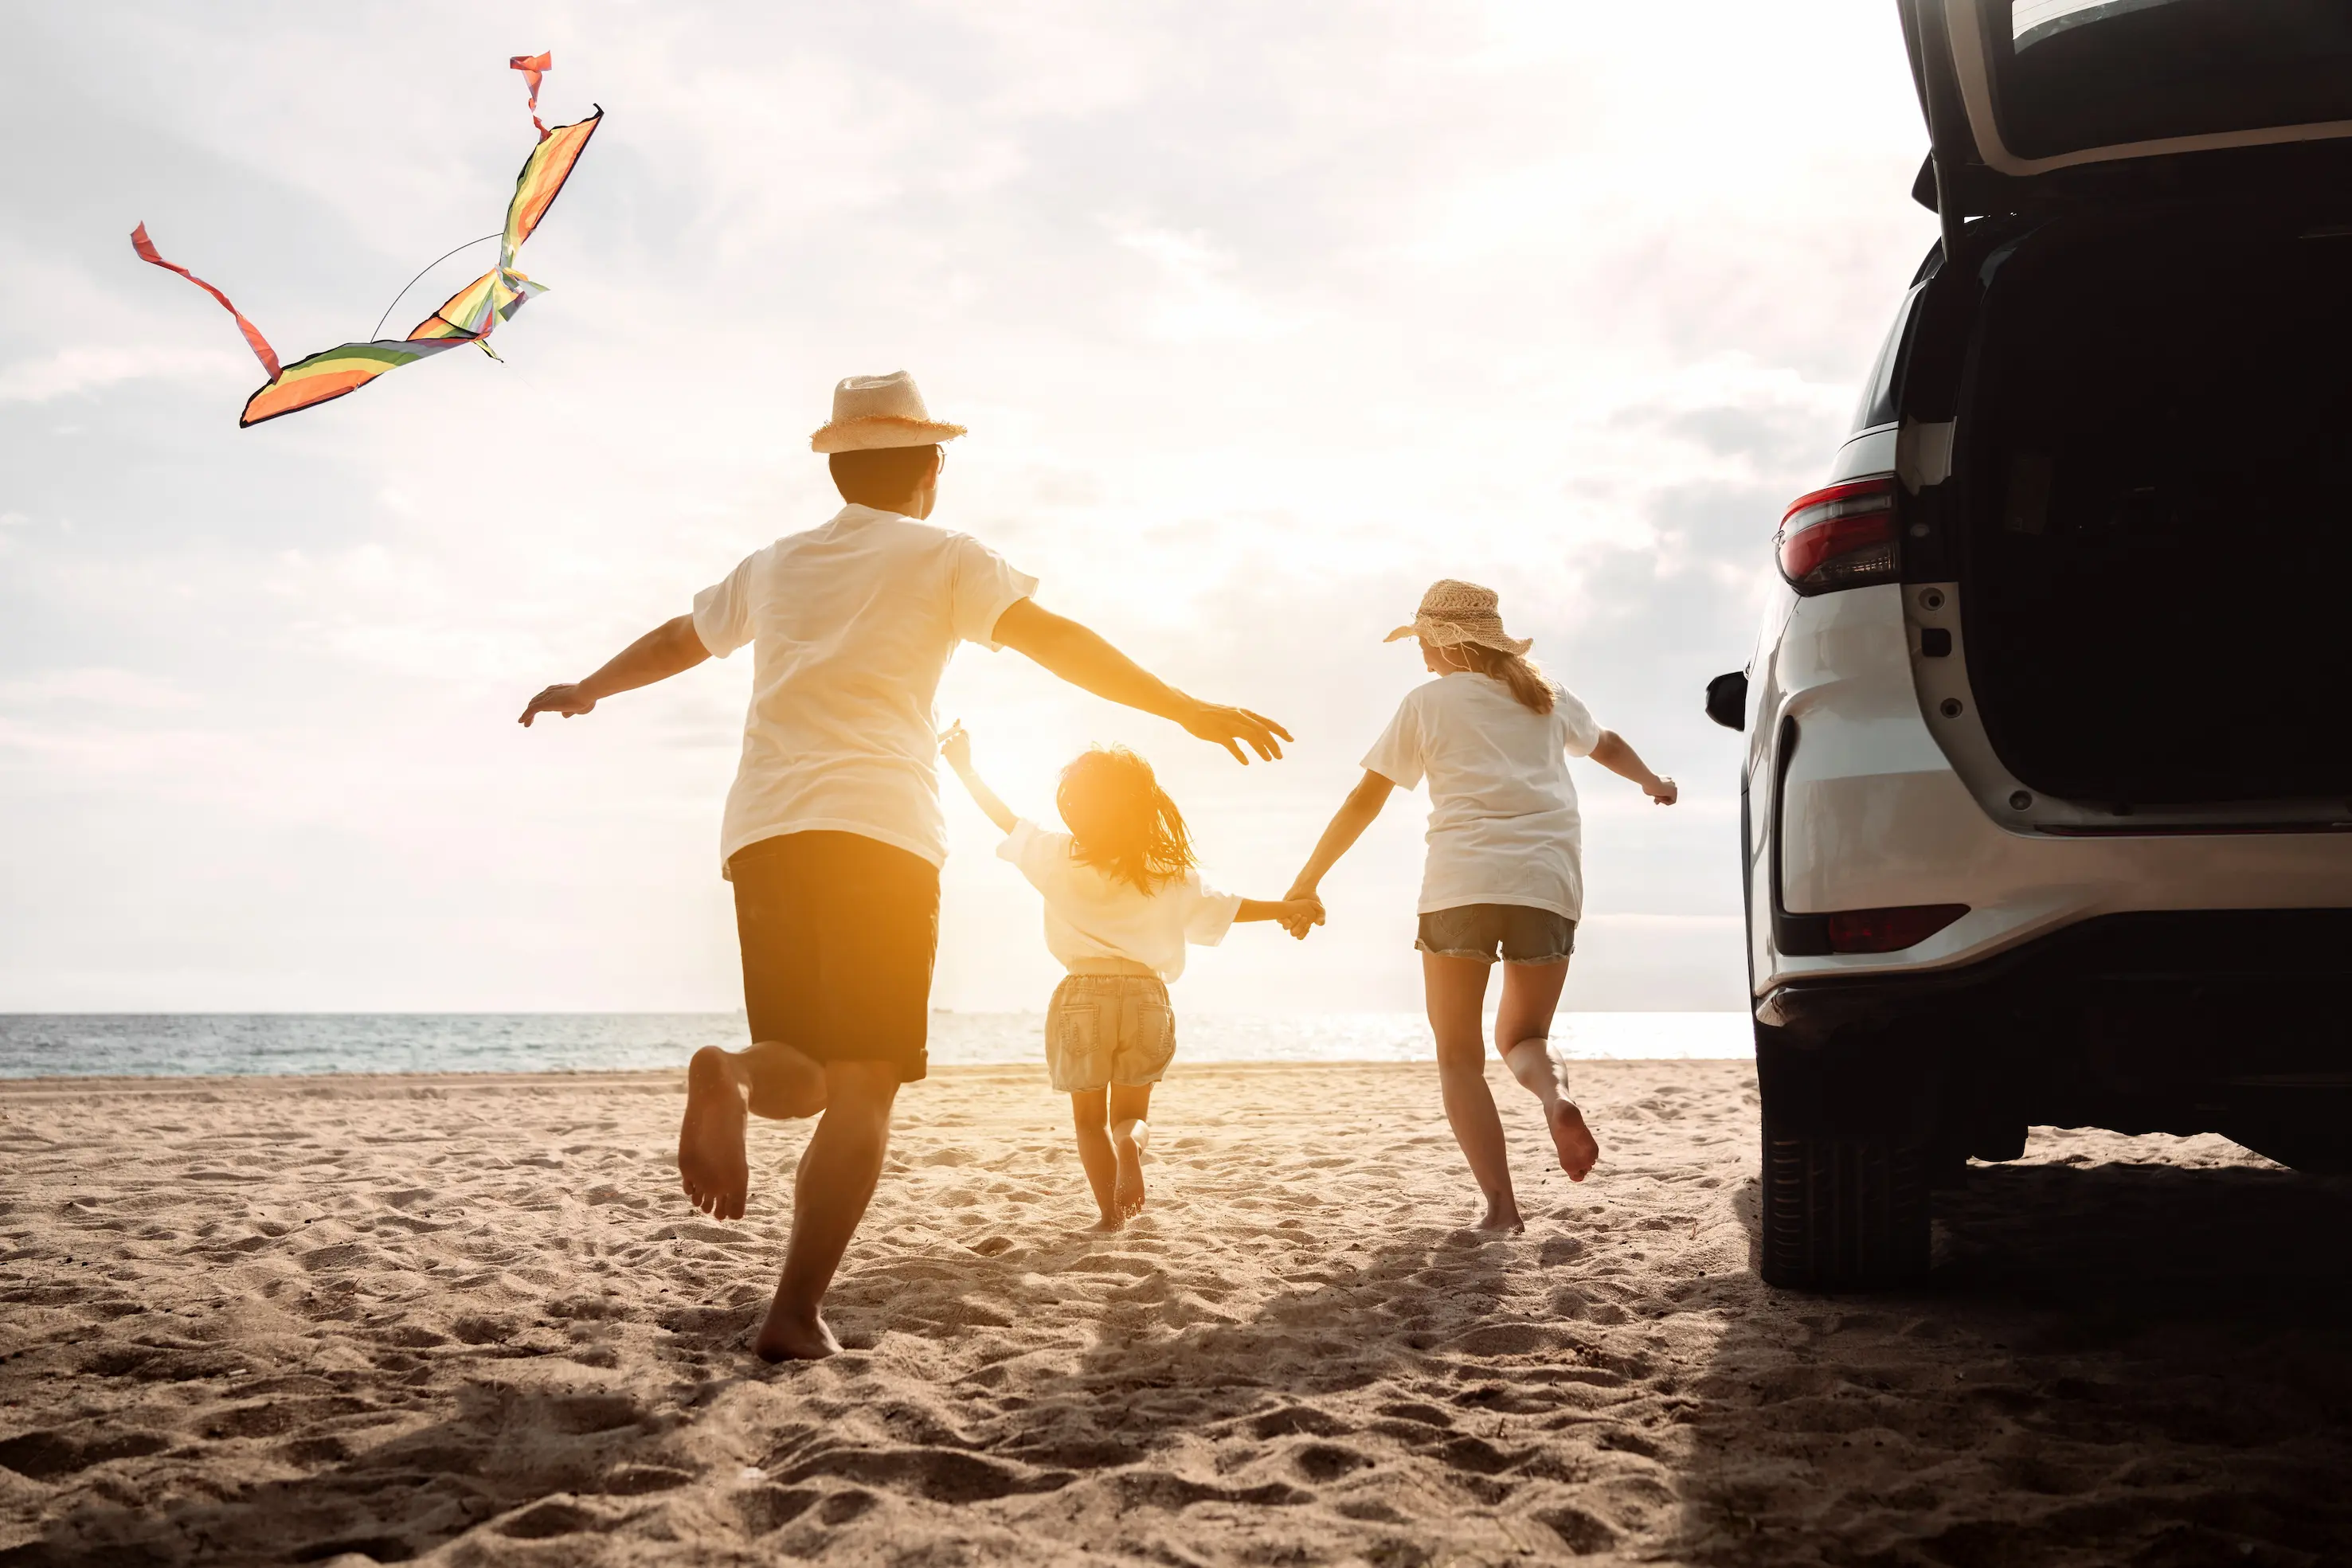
2047	806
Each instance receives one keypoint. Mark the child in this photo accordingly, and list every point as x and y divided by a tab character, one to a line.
1122	900
1504	875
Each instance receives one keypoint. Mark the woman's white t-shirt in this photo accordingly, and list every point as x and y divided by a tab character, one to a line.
1503	824
1090	915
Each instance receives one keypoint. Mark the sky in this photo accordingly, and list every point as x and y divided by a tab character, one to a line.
1261	318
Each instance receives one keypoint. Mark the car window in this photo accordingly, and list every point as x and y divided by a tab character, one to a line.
2070	75
1879	388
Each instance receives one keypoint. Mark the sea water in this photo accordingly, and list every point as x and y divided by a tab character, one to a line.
45	1044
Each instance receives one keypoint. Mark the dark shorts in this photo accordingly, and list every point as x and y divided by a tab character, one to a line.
838	933
1521	933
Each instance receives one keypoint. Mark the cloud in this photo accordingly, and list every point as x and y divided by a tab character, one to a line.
1262	319
71	371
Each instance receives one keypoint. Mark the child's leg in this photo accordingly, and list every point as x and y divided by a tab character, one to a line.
1456	989
1522	1033
1086	1111
1130	1133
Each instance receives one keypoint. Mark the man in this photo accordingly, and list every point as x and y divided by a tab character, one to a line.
833	836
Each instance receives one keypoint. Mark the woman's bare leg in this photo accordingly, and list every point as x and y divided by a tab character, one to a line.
1087	1113
1523	1035
1130	1134
1456	989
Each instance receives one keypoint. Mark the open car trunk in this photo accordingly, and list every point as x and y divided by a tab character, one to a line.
2156	569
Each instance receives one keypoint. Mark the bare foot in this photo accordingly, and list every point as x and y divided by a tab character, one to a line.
711	1166
790	1335
1503	1218
1579	1153
1126	1141
1109	1223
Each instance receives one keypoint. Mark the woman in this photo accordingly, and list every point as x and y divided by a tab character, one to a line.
1505	875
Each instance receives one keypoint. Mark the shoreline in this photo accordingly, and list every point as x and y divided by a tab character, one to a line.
664	1077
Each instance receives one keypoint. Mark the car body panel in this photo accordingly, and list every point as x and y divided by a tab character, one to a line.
1869	811
1966	74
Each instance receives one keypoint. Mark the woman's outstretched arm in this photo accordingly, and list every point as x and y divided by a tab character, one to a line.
1620	758
1348	825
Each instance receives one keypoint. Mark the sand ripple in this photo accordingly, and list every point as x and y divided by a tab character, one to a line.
471	1320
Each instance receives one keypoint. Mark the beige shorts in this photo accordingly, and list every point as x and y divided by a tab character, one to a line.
1109	1028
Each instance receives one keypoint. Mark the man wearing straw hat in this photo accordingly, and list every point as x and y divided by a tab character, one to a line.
833	836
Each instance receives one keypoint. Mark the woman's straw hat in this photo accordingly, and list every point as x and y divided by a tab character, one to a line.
871	412
1453	613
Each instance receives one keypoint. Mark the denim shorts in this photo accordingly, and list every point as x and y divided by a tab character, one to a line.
1106	1028
1520	932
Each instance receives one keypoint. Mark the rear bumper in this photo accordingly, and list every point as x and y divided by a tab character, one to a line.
2211	1020
2215	973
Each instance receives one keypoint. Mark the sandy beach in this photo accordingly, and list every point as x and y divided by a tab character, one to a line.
470	1319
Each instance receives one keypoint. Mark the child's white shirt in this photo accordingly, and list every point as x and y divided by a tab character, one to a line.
1089	915
1503	822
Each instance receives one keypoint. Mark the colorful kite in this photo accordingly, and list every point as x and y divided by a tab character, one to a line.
465	316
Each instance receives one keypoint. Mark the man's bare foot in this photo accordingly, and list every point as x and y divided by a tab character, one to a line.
1579	1153
791	1335
1126	1141
1503	1217
711	1165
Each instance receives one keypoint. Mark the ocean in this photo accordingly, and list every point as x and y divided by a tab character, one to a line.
35	1045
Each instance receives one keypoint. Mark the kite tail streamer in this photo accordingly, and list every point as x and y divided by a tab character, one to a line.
532	66
259	344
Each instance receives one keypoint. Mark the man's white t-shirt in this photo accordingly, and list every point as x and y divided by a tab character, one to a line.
1091	916
1503	824
851	626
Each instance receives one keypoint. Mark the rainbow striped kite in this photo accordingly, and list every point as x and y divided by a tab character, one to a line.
465	316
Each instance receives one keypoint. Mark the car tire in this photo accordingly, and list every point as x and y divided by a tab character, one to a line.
1843	1212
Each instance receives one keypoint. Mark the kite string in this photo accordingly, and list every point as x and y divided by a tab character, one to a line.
419	278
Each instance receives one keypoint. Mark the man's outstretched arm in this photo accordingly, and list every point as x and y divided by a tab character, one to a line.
660	653
1082	658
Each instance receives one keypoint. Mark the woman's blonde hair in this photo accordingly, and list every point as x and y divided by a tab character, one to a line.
1516	671
1121	821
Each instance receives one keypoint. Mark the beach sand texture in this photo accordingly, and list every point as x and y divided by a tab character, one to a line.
472	1321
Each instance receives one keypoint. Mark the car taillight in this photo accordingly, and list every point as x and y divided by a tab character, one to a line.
1889	930
1842	536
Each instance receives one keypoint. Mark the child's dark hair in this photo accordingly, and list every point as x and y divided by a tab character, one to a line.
1121	821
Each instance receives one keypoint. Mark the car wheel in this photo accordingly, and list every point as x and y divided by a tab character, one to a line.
1843	1211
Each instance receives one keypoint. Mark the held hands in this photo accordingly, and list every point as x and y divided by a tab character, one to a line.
955	745
1664	791
565	698
1300	915
1302	910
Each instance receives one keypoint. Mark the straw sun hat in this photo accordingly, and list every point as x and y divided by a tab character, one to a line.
873	412
1453	613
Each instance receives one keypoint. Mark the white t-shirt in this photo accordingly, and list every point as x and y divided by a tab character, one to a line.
1502	825
851	626
1091	916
